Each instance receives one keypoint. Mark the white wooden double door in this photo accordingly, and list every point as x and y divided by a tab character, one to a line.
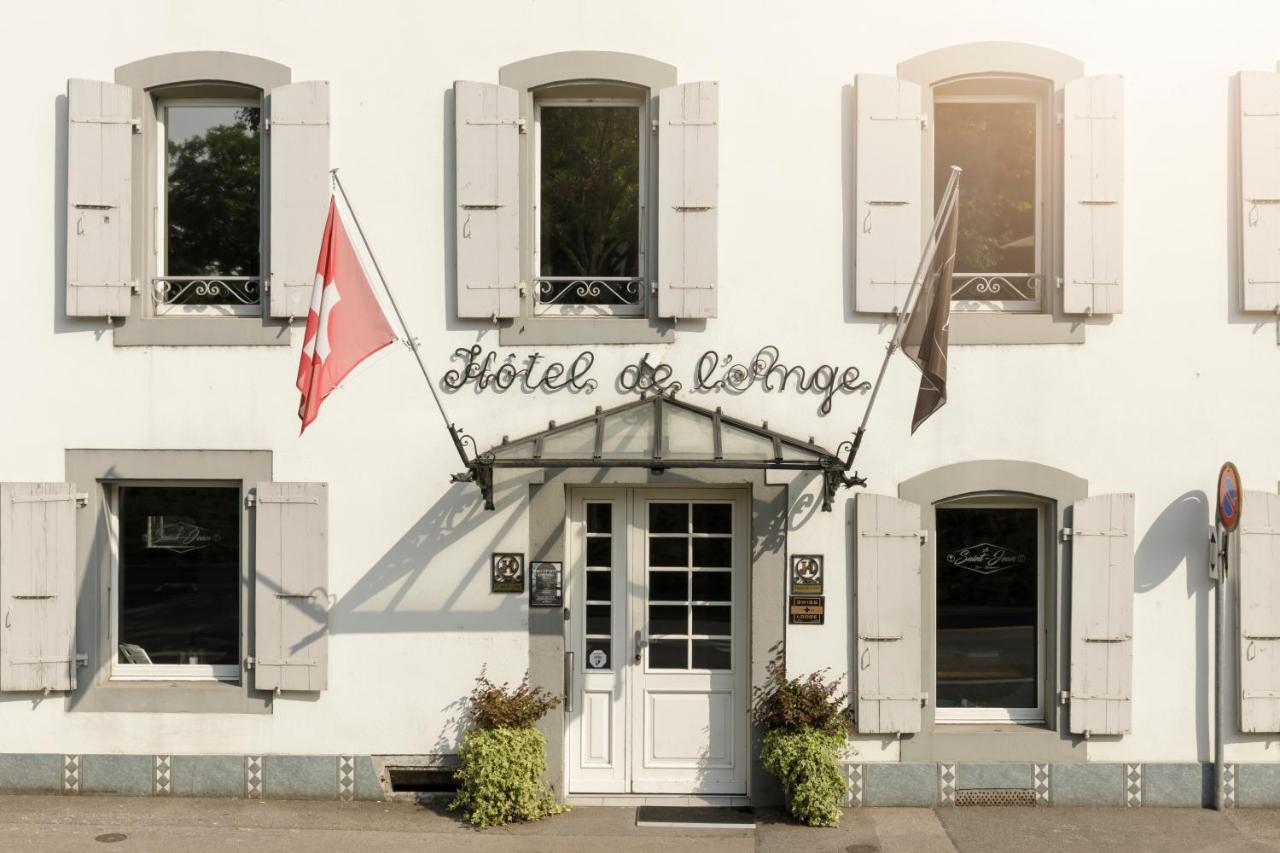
658	600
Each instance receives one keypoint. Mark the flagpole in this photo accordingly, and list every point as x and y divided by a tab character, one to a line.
409	338
950	196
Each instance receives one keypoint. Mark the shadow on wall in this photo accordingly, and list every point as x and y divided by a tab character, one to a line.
384	600
1179	536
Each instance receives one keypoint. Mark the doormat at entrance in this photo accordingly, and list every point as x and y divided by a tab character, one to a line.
697	817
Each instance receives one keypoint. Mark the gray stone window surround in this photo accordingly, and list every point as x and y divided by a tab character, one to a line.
548	495
1024	62
527	77
197	73
1056	490
91	470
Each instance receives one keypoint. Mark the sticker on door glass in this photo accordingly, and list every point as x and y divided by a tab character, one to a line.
597	659
985	558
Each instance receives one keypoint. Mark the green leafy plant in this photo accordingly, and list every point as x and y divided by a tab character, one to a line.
807	763
805	721
503	756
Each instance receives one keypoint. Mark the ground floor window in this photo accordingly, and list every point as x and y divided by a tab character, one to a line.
990	589
176	588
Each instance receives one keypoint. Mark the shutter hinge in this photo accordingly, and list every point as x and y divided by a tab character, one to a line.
136	126
266	124
1060	282
653	126
82	659
82	500
1064	697
1065	534
250	500
249	662
924	122
522	126
1062	119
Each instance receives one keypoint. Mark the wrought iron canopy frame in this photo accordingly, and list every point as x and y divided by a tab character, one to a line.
831	466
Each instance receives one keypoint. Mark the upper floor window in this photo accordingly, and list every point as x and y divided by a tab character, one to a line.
587	200
591	198
210	203
992	129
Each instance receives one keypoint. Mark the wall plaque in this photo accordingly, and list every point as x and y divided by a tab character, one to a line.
806	574
807	610
546	584
507	573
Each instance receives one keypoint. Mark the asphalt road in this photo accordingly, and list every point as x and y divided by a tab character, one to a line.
130	825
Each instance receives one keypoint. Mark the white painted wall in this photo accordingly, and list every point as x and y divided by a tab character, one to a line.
1130	410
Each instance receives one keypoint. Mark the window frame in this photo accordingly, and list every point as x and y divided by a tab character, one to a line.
230	673
996	715
1037	305
161	103
646	187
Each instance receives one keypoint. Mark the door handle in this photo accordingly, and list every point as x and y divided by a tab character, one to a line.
641	643
568	682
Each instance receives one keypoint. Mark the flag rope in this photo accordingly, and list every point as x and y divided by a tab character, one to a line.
409	338
950	197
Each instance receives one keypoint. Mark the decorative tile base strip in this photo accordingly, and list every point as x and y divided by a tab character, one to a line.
946	784
164	775
346	778
853	784
1133	785
70	774
1229	786
253	776
1040	780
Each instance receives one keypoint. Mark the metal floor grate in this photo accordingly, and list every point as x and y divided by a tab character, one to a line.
996	797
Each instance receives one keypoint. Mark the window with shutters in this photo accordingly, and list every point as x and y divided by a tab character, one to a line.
993	129
208	205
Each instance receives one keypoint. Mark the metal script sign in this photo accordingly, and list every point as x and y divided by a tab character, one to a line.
714	371
807	610
985	558
546	584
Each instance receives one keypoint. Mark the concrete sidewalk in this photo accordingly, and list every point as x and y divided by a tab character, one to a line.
52	823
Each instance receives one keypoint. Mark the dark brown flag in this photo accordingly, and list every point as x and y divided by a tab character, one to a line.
924	335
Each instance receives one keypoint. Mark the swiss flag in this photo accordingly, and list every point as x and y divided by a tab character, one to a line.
345	324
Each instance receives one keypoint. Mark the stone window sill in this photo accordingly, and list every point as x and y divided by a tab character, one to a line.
976	329
569	331
136	331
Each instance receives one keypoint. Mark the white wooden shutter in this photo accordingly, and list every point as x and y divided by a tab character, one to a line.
887	185
1093	192
887	674
37	586
299	198
487	130
1258	580
291	556
100	126
1260	190
1101	614
688	199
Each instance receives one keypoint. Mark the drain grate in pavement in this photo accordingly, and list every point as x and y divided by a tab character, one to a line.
696	817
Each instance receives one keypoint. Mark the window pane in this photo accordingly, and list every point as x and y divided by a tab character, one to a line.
668	619
668	551
712	654
712	586
711	620
212	202
598	586
179	596
713	553
599	518
590	197
599	551
668	586
601	646
712	518
598	619
668	518
987	567
995	144
668	654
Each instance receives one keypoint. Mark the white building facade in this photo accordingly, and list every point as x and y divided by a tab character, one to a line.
721	206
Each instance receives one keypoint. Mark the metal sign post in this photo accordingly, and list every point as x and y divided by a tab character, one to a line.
1227	518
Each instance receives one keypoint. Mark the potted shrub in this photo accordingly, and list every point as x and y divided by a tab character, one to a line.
805	721
503	756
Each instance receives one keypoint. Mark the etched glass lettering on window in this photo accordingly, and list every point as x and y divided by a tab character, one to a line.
995	139
590	206
177	580
208	211
988	597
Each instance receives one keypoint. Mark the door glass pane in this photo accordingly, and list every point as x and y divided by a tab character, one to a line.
668	518
713	553
668	586
599	551
713	518
712	654
599	518
598	619
179	596
711	620
598	654
668	654
598	586
988	580
668	619
668	551
712	586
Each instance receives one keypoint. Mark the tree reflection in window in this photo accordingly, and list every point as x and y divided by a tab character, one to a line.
589	195
994	142
213	194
